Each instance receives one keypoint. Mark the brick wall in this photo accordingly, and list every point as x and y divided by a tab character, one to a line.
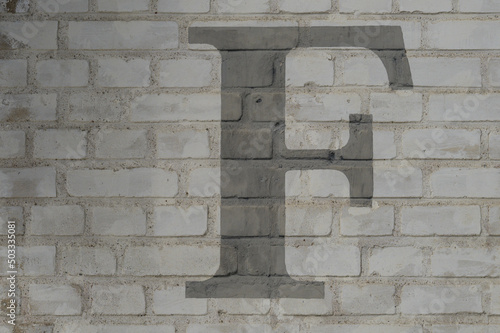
109	164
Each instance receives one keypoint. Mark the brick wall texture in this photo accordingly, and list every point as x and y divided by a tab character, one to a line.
110	135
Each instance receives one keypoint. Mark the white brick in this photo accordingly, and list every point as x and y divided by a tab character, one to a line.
183	143
441	143
57	220
365	71
495	299
322	107
32	261
118	300
440	300
109	35
60	144
307	307
82	327
118	221
426	6
173	301
87	107
468	262
34	182
470	183
367	221
311	220
243	306
122	5
142	182
317	183
370	299
31	34
164	107
12	144
323	259
13	73
495	220
479	6
204	182
439	220
398	107
117	72
58	300
365	6
396	261
185	73
366	329
25	107
306	67
14	7
87	261
446	72
185	6
66	6
172	260
232	328
315	135
121	144
384	146
464	107
463	35
298	6
477	328
63	73
11	214
178	221
244	7
393	182
494	72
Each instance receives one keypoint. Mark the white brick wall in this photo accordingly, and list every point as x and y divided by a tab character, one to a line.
13	73
57	220
59	300
63	73
123	73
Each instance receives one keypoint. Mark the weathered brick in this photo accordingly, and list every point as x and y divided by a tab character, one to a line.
116	72
12	144
118	300
317	183
142	182
495	299
121	143
495	146
185	73
66	6
184	143
23	107
307	307
466	261
87	261
370	299
84	327
204	182
365	6
122	5
40	35
244	7
15	214
322	107
247	143
166	107
309	67
243	306
426	6
401	181
463	182
396	261
367	221
494	220
109	35
62	73
55	300
29	182
444	35
464	107
494	72
365	71
118	221
178	221
446	72
186	6
451	299
399	107
363	328
441	220
61	144
32	260
13	73
297	6
173	301
175	260
87	107
477	328
311	220
384	145
57	220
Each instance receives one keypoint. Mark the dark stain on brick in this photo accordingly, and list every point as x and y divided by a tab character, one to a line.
18	114
11	6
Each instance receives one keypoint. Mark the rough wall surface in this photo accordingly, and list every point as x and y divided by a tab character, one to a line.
110	151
